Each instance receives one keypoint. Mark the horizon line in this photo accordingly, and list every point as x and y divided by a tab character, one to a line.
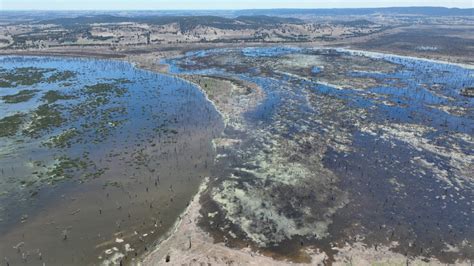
240	9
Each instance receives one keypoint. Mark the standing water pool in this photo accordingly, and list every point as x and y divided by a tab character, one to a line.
97	158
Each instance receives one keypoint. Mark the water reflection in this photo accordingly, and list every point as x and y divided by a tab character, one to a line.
102	173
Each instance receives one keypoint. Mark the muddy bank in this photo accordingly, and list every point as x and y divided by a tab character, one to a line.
189	244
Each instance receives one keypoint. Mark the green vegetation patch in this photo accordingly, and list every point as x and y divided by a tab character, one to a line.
10	125
53	96
112	184
21	96
5	84
45	117
99	95
67	84
23	76
122	81
468	92
61	76
100	88
62	140
64	168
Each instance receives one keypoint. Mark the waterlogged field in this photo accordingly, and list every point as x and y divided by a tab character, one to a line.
329	150
97	158
348	152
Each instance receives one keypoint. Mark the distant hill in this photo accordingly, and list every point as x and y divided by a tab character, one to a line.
187	23
354	23
189	19
263	19
426	11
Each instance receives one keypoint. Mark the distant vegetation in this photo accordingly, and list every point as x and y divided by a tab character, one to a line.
187	23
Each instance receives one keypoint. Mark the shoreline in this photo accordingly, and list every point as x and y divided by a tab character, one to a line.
169	235
130	54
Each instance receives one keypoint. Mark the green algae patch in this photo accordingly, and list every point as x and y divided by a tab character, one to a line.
104	89
122	81
53	96
468	92
63	168
23	76
63	140
21	96
27	76
61	76
5	84
10	125
100	94
99	88
110	183
45	117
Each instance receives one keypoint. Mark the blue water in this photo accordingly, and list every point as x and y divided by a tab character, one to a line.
154	137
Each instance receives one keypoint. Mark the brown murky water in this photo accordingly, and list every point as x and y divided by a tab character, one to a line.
141	146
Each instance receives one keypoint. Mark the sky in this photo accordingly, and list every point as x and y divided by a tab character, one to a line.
216	4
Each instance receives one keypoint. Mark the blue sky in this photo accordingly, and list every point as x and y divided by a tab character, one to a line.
216	4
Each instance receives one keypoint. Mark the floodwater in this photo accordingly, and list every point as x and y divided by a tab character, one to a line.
98	161
347	147
99	158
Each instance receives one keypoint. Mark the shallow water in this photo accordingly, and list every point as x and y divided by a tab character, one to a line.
110	176
377	149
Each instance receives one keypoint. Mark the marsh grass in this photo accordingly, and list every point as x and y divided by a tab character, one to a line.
53	96
63	140
468	92
23	76
21	96
61	76
45	117
10	125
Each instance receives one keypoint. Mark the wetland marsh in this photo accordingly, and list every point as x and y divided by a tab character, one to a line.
347	149
98	158
314	155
